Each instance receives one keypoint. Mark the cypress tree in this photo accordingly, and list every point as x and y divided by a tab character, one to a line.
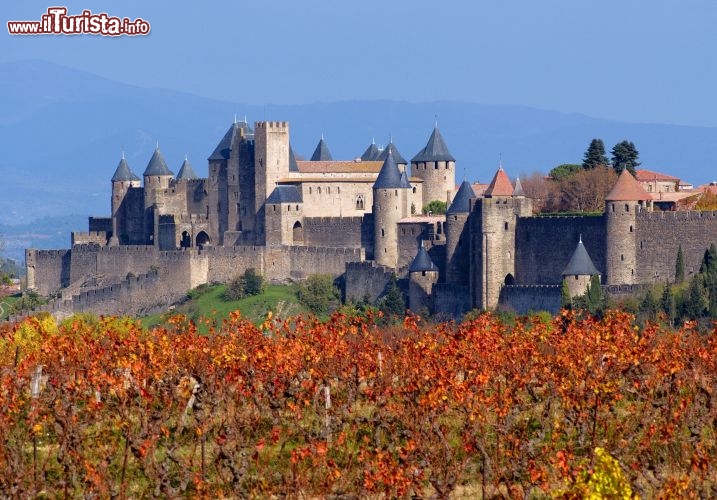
667	304
594	295
595	155
680	266
565	298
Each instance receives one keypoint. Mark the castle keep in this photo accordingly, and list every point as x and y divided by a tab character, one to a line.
361	220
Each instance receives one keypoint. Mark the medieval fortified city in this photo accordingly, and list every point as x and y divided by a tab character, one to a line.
360	220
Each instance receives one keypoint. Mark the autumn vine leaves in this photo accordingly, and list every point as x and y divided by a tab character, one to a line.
347	407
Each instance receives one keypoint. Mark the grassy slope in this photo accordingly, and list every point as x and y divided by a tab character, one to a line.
6	303
210	304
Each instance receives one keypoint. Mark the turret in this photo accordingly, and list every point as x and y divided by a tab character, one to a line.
579	271
390	194
422	274
122	180
186	172
392	149
622	205
493	223
457	235
156	178
372	153
437	167
321	153
284	217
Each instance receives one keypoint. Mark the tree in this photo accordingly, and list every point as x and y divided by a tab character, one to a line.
435	207
585	191
565	298
595	155
318	293
696	300
649	306
667	304
249	283
563	171
625	156
680	266
392	304
594	295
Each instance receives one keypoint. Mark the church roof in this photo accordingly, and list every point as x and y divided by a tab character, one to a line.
461	203
186	171
435	150
123	172
371	154
627	189
389	177
284	194
157	165
518	191
321	153
293	167
396	155
580	263
422	262
225	146
500	185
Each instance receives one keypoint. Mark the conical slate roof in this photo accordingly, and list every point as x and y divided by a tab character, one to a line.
435	150
186	172
124	173
293	166
371	153
422	262
461	203
321	153
157	165
404	180
389	177
580	263
284	194
228	142
500	185
396	155
627	189
518	191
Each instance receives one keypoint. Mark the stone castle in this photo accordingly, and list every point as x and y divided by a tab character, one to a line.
361	221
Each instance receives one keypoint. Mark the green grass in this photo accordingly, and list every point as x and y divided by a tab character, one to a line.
6	304
208	302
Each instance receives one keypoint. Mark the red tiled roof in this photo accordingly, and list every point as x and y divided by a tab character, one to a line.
627	189
479	189
643	175
339	167
500	185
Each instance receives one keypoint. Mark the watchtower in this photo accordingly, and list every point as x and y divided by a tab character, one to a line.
437	167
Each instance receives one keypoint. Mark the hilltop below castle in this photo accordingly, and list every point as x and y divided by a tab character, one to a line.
359	219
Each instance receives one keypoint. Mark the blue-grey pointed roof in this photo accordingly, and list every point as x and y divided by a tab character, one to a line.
404	180
157	165
389	177
228	142
518	191
396	155
321	153
124	173
186	171
461	203
371	153
293	166
580	263
422	262
435	150
284	194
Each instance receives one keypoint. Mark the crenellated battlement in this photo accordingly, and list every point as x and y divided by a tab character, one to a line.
271	125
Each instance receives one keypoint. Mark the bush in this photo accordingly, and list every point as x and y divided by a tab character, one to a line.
318	293
249	283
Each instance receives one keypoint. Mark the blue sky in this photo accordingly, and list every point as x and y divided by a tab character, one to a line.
641	61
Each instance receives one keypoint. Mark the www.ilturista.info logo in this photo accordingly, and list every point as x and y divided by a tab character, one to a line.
57	22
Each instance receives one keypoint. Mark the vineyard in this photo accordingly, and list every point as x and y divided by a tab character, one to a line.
567	408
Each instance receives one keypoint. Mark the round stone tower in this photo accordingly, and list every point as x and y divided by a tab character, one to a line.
157	177
389	206
457	235
579	271
122	180
437	167
422	275
622	206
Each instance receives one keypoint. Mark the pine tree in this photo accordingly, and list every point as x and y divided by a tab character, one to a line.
695	304
392	303
595	155
680	266
625	156
565	298
667	304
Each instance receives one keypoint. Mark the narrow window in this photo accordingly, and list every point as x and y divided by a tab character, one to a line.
627	207
506	226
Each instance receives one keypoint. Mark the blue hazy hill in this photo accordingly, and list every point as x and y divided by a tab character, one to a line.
62	132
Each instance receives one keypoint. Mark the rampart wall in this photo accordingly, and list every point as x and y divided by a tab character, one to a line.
660	234
524	299
48	270
366	280
544	246
451	300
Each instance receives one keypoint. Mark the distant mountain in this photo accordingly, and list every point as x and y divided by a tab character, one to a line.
63	131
